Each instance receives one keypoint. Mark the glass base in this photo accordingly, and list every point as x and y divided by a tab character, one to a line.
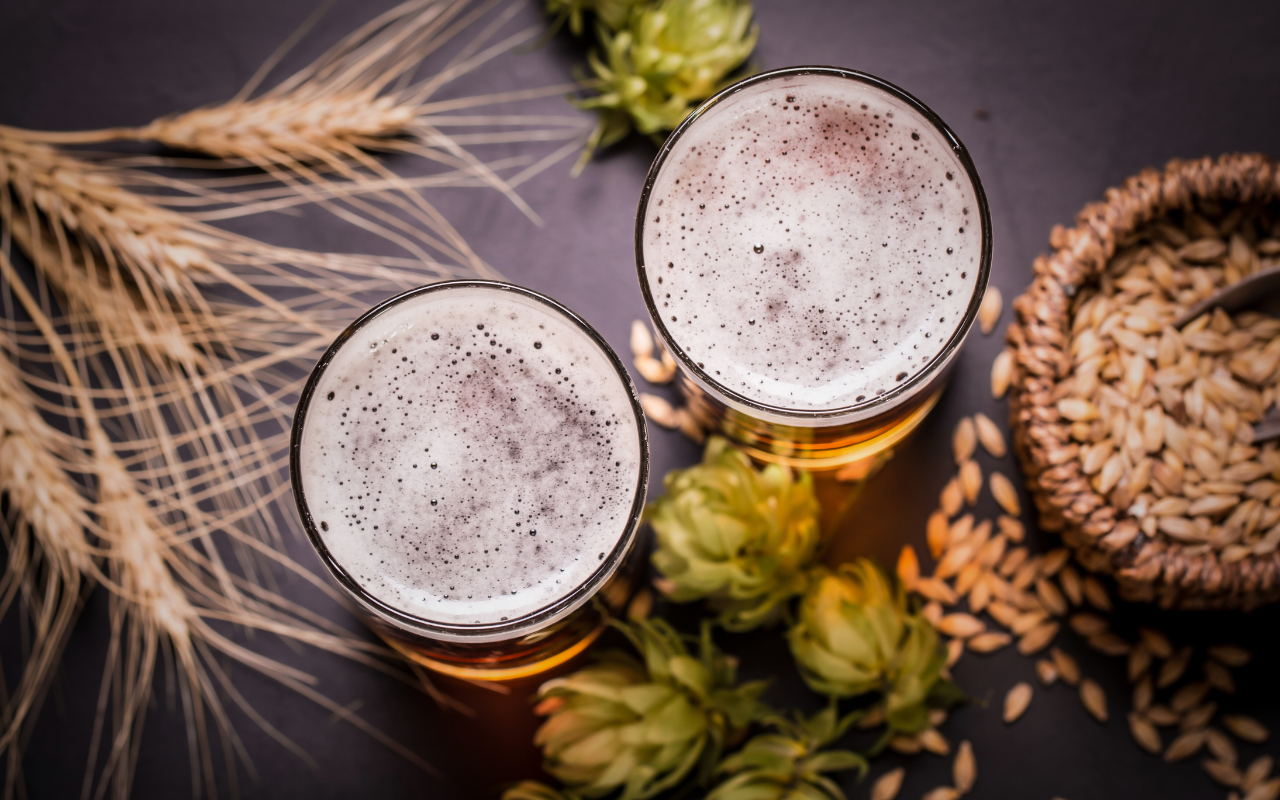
489	673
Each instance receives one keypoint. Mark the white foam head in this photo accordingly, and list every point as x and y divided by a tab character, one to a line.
471	456
811	242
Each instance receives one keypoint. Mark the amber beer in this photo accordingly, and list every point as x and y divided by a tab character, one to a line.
470	461
813	244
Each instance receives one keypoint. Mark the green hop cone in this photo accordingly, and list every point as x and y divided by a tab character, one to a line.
642	725
670	56
741	538
791	764
855	634
612	14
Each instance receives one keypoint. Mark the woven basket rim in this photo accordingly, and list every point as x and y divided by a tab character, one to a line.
1040	337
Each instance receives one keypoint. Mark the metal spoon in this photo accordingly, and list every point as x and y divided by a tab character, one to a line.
1245	293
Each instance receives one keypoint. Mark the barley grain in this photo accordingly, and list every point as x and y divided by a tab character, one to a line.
964	440
1001	374
1162	716
641	340
1225	774
1143	693
1257	772
952	498
908	567
1037	638
1231	655
1220	745
1173	669
1086	624
1096	594
989	311
989	435
936	533
1109	644
1016	701
1184	746
1156	642
934	742
1094	699
964	770
988	642
1067	667
888	785
1145	734
970	481
960	626
1246	728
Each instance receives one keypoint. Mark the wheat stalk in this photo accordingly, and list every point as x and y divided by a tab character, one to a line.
360	98
48	554
165	584
173	350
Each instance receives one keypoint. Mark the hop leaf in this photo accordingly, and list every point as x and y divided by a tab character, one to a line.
742	538
670	56
790	763
642	725
855	634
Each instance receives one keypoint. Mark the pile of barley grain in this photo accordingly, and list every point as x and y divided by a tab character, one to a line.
1164	416
988	589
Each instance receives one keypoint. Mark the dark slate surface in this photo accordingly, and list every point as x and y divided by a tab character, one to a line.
1076	96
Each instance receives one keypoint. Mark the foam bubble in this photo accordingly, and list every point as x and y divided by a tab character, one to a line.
470	456
812	242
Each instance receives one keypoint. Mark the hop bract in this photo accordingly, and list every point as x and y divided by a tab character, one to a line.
670	56
744	539
642	725
855	634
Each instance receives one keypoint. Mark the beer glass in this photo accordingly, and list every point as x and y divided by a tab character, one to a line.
813	244
470	461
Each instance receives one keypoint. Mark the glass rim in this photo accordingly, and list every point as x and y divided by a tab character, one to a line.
494	631
920	377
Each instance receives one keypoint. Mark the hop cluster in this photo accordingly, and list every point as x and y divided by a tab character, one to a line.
855	634
666	57
744	539
641	725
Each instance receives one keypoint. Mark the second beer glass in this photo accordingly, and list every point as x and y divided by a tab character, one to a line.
813	245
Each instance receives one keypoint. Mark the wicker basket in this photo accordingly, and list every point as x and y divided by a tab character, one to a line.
1102	536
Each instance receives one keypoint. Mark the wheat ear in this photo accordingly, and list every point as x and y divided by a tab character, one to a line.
48	554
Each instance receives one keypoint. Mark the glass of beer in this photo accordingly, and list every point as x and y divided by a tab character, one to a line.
813	245
470	460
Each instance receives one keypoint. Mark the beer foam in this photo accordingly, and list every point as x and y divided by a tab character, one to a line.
812	242
470	456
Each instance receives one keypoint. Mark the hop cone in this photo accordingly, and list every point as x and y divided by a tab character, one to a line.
790	764
642	725
670	56
855	635
740	537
